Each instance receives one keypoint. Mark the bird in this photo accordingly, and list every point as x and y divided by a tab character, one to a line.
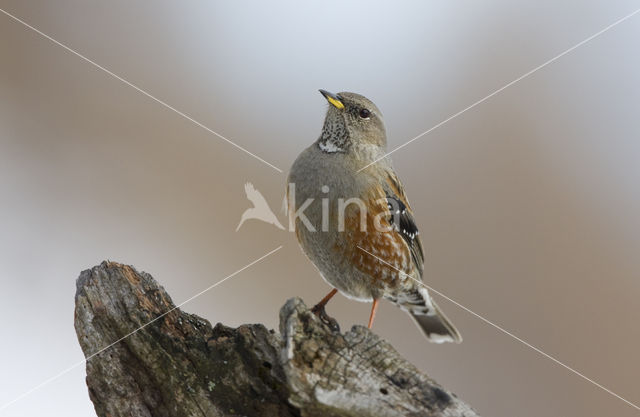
260	209
353	221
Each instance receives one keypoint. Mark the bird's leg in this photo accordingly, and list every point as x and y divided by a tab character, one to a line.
374	307
319	311
324	301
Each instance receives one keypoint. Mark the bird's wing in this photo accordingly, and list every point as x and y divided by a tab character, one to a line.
401	217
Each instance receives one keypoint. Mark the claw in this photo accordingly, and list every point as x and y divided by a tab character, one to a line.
320	312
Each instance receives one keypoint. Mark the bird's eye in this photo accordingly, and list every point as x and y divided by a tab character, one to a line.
364	113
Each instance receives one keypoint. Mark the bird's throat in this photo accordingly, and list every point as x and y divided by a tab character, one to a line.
334	137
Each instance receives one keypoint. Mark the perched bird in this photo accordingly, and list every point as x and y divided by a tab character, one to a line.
353	221
260	209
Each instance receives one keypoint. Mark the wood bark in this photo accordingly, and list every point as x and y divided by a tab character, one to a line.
145	357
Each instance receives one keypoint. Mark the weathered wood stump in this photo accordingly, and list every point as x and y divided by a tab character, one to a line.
145	357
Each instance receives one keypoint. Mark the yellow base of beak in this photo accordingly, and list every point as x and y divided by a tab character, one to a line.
337	103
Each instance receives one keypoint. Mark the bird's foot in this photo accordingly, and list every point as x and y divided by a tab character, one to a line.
320	312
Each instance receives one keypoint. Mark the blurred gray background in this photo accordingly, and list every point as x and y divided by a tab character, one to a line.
528	204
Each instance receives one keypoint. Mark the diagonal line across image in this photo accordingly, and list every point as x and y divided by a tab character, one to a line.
135	87
504	87
79	363
532	71
508	333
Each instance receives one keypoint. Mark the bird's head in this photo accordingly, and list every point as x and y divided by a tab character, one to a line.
351	119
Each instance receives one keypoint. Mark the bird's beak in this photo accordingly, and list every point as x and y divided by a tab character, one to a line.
332	98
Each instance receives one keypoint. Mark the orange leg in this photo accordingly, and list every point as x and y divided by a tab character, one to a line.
319	311
325	300
374	307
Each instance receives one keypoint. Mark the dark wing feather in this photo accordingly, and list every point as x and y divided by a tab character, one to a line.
402	220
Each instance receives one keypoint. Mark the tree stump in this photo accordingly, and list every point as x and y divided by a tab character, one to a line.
145	357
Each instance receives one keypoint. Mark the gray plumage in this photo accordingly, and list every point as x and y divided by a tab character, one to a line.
362	264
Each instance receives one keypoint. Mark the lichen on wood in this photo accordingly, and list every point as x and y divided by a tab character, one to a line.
166	362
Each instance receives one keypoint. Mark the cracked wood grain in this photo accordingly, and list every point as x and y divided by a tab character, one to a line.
179	365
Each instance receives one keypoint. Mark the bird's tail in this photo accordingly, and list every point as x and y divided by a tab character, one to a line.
437	327
431	320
